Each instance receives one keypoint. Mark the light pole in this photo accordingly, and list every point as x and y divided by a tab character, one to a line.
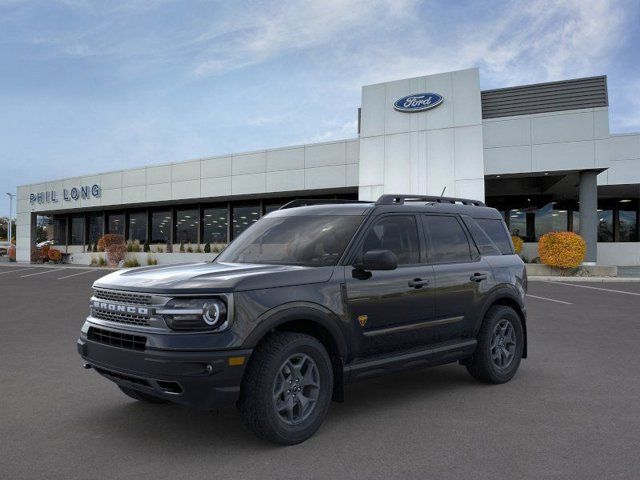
11	195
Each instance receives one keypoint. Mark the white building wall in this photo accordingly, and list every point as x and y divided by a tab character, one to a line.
623	161
304	167
424	152
547	142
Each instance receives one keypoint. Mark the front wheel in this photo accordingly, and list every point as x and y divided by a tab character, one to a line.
500	345
287	388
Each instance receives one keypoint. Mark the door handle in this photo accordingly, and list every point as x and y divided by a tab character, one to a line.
478	277
418	283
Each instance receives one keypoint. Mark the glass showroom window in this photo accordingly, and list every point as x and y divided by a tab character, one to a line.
548	219
214	225
518	223
628	221
138	226
115	223
243	217
44	228
60	230
187	226
77	230
96	227
605	225
160	226
272	207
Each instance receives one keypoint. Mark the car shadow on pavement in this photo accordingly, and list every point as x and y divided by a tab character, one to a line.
185	430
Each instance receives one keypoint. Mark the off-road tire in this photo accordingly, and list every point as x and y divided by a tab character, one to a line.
141	396
482	366
257	404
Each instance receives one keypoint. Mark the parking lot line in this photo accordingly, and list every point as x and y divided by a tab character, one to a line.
550	299
14	270
598	288
75	274
41	273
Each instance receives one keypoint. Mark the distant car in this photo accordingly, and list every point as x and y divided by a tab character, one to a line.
4	247
42	244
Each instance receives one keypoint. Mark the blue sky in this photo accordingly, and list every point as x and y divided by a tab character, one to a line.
90	86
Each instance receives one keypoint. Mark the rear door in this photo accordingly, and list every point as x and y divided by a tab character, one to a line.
462	277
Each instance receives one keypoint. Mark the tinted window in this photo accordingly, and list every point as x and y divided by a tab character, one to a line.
481	239
160	226
447	240
498	233
138	226
187	226
77	230
244	217
115	223
397	234
314	240
96	227
215	225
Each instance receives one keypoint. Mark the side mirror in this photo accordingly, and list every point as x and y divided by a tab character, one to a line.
378	260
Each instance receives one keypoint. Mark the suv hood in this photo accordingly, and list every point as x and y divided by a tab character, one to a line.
212	277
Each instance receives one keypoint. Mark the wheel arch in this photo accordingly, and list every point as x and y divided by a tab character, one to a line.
313	320
511	300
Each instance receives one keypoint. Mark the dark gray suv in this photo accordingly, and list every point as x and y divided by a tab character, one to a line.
311	297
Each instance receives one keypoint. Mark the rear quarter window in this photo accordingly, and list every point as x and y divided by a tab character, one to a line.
497	232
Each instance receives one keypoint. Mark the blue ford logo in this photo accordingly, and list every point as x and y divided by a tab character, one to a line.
418	102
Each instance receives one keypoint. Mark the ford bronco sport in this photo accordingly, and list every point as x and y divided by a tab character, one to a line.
309	298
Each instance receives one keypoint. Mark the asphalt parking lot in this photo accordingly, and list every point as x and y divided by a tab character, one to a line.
572	411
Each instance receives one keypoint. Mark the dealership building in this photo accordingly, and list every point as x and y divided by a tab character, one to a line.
541	154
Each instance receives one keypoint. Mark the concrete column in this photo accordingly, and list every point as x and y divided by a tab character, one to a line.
588	198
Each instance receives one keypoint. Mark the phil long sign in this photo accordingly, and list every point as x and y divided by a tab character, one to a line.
68	194
418	102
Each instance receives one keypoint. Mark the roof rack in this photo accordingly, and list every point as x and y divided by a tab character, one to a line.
401	199
302	202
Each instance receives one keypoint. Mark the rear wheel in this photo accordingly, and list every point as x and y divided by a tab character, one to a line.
141	396
500	344
287	388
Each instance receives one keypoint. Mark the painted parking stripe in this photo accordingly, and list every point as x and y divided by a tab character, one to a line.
75	274
599	288
550	299
14	270
41	273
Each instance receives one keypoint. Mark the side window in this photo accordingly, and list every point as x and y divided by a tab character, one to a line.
447	241
482	240
497	231
397	233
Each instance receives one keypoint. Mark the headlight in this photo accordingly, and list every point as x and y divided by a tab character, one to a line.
194	313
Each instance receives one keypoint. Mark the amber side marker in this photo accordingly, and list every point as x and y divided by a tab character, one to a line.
236	361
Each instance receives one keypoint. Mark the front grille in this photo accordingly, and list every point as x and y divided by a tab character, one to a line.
123	297
126	318
117	339
119	376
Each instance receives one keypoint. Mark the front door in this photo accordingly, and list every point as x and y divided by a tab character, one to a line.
389	310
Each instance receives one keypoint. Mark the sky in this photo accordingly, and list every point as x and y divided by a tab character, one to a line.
92	86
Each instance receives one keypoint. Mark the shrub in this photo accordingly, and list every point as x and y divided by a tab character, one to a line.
95	247
207	247
169	247
218	247
131	263
12	253
189	249
562	249
517	243
102	262
147	247
181	247
94	261
198	249
160	249
54	255
151	260
129	246
109	239
115	254
45	252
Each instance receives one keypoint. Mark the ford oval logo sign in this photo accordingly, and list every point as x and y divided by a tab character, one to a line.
418	102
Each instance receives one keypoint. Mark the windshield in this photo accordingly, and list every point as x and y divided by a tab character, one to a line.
314	240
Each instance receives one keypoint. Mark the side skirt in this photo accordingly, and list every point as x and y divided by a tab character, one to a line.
410	359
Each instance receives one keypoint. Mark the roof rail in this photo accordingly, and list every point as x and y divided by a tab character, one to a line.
302	202
401	199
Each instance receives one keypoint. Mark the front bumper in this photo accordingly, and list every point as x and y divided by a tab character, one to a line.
200	379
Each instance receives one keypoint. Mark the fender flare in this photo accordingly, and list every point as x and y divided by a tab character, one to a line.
512	295
293	311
